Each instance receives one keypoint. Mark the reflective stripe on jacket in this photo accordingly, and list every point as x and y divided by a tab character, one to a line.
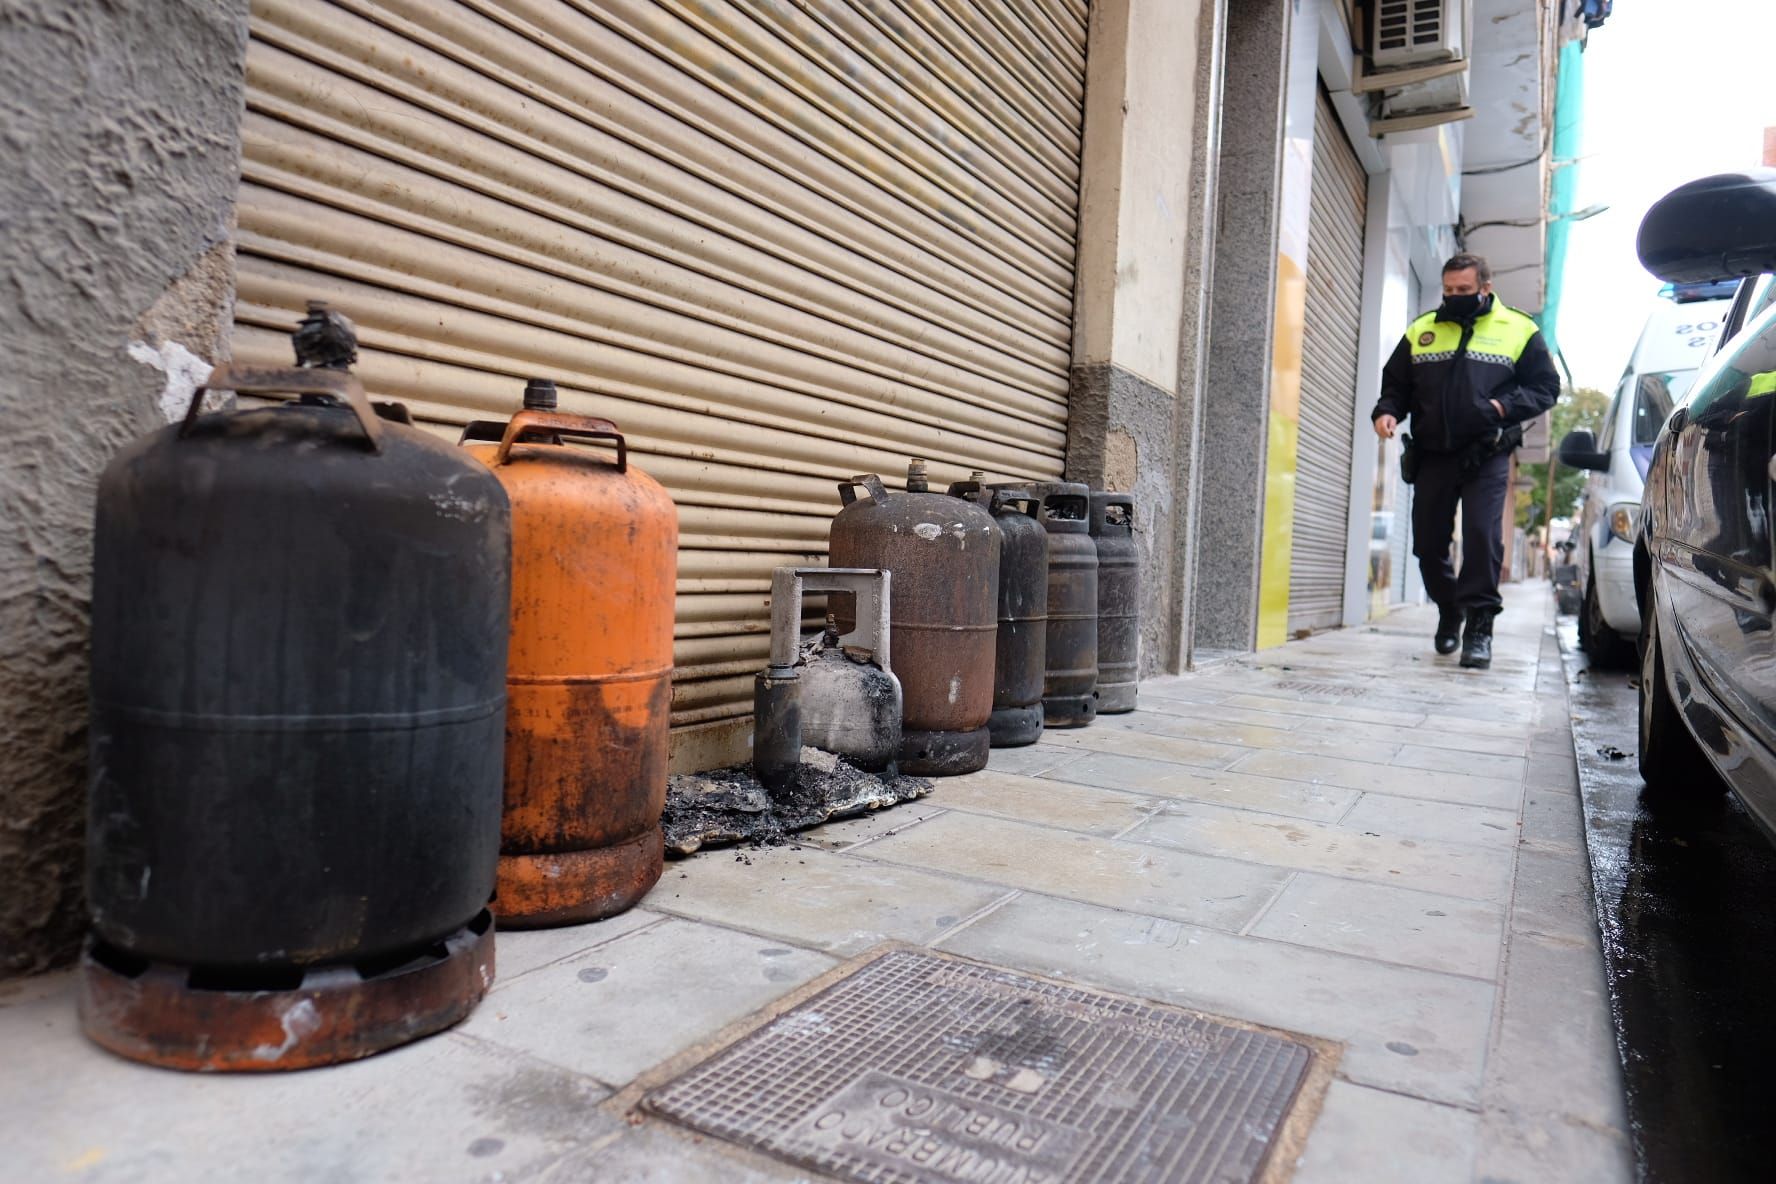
1444	375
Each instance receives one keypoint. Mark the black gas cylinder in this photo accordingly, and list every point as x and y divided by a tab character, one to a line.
1022	639
1069	692
298	682
1119	600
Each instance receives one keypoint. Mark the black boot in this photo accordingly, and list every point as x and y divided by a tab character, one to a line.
1449	627
1477	639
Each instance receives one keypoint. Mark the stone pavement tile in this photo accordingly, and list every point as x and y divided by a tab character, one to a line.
627	1005
1412	783
1110	872
866	828
1453	869
1387	924
1317	709
1552	895
1441	760
1530	1148
1290	737
1368	1136
1415	818
444	1108
1051	801
1238	790
1030	760
813	898
1380	741
1413	1031
1553	1103
1554	817
657	1152
1289	721
1178	750
520	951
1190	688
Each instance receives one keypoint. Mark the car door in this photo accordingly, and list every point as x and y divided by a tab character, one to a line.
1714	549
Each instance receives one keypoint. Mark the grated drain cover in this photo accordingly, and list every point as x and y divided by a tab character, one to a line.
919	1067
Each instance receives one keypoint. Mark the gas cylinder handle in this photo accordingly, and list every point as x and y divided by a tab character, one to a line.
870	585
259	380
560	423
1101	503
1022	501
872	485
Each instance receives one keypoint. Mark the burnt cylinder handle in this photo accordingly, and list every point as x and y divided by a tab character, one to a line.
527	425
869	483
1103	503
255	380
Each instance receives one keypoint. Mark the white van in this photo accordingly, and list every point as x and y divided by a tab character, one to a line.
1680	334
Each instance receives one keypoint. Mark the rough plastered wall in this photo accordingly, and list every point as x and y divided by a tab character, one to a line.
120	121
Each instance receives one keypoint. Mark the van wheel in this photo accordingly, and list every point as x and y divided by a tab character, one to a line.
1603	645
1672	764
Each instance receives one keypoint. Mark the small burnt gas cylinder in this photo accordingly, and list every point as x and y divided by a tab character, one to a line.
1119	600
1070	680
944	553
298	695
835	692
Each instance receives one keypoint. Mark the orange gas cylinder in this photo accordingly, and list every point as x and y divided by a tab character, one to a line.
594	564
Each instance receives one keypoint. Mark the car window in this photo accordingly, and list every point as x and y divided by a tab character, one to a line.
1747	369
1655	395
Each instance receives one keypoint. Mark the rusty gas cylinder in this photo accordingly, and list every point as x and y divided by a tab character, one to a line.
1022	636
944	553
594	563
1119	600
298	694
1071	661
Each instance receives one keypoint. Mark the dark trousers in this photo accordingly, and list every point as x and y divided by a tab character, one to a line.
1440	485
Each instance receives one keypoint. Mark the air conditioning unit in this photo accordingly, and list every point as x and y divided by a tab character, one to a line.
1417	32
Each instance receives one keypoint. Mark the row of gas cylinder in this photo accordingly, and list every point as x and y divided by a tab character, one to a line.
349	683
1009	607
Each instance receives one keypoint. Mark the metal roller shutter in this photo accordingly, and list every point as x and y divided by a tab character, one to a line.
1328	377
778	244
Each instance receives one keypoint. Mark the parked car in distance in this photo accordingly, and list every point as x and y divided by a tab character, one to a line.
1680	333
1704	564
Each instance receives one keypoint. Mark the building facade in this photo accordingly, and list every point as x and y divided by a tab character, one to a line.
1163	247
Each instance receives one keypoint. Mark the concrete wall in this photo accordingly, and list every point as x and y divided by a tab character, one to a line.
122	131
1140	112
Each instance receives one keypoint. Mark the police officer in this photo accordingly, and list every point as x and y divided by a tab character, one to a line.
1469	375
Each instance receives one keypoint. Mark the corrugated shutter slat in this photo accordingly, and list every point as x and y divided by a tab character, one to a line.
1328	377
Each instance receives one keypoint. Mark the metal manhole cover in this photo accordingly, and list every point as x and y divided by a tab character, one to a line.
920	1067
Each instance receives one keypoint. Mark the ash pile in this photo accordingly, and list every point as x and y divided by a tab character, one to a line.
730	806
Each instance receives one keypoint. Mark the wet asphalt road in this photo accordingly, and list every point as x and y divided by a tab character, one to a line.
1686	905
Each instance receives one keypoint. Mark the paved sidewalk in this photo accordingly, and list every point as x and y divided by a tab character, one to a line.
1347	837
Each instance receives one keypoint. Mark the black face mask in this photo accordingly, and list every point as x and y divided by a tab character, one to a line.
1463	309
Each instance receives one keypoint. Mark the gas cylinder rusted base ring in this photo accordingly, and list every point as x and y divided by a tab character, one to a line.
165	1014
1116	698
1069	711
944	754
1014	727
572	887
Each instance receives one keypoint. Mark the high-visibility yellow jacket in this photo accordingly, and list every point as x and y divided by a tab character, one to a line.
1444	375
